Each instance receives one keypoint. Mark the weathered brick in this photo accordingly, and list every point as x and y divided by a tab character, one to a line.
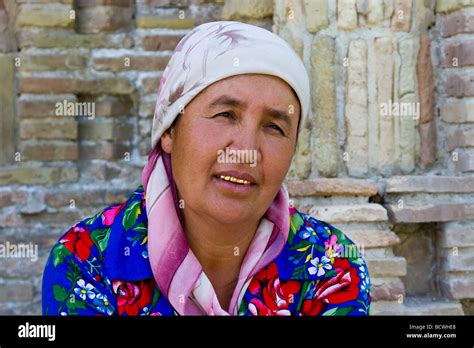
430	212
458	286
429	184
384	76
387	289
424	74
93	3
255	9
64	218
84	197
7	38
144	127
22	267
460	85
44	62
458	112
155	21
104	151
50	151
331	187
465	162
74	85
301	164
371	238
459	260
401	19
113	106
316	15
350	213
162	3
356	109
460	138
149	84
34	106
417	306
456	234
346	15
44	1
48	129
451	5
147	107
428	146
37	175
160	42
131	62
105	130
387	267
458	22
375	13
324	106
15	290
98	19
408	137
7	108
10	198
408	49
457	54
51	15
67	39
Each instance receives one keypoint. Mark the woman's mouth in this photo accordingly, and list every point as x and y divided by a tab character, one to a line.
234	180
233	184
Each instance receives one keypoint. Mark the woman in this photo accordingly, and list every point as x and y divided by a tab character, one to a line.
209	234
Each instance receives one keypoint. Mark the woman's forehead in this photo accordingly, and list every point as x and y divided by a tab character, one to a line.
250	87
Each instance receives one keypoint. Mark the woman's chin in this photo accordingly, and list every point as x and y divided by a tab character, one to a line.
233	214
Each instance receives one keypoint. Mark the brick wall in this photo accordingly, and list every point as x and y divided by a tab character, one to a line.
401	186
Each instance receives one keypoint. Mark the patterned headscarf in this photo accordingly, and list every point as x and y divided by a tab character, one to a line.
209	53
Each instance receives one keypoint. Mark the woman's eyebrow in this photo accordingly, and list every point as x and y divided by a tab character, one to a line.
226	100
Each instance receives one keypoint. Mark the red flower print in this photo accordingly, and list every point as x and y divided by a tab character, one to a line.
339	289
273	297
132	296
78	242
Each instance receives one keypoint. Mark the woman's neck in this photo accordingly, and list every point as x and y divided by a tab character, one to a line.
220	250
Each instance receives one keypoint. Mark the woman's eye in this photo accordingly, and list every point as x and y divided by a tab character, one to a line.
274	126
225	114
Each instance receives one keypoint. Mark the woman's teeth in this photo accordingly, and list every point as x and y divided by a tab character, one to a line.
235	180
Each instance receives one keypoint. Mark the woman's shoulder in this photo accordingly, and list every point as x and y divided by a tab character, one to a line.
96	238
315	231
315	248
93	231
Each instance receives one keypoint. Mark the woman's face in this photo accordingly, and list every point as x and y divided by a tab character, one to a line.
232	147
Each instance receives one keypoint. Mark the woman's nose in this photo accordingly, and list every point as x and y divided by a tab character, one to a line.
247	138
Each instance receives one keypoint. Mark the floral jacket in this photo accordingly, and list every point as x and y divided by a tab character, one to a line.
101	267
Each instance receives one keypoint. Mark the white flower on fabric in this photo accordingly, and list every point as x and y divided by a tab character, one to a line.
319	266
84	290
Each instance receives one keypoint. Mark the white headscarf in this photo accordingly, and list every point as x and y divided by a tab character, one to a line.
217	50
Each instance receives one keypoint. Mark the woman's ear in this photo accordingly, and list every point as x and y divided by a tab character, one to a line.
167	141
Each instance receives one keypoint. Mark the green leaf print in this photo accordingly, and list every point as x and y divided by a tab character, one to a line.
130	215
